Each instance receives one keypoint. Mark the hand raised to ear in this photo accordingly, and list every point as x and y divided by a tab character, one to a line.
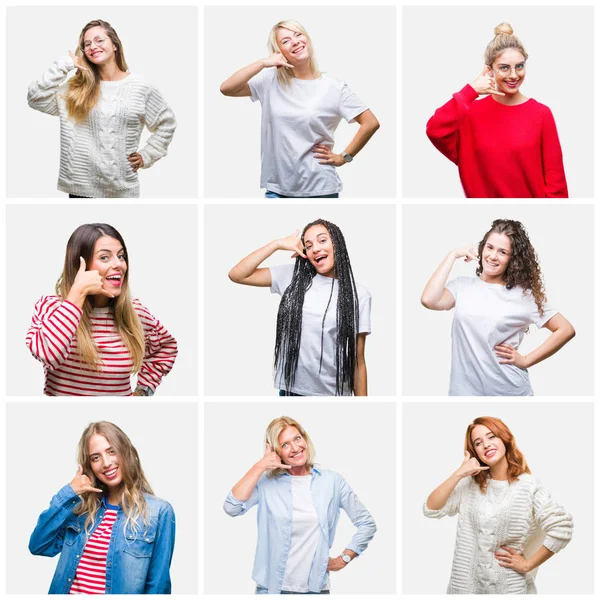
81	483
469	467
271	460
485	83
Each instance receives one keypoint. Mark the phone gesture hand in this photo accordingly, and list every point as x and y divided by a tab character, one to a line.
293	243
89	282
78	62
485	84
271	460
276	60
469	253
470	466
81	483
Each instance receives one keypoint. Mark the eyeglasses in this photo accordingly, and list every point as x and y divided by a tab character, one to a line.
506	70
97	40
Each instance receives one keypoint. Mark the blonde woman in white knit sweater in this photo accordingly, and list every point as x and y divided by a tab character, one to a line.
103	109
508	523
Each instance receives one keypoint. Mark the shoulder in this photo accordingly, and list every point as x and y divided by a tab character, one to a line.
157	506
483	105
146	317
364	295
48	301
464	281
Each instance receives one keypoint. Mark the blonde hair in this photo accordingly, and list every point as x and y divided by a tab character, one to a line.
285	74
81	244
83	89
134	486
274	429
503	40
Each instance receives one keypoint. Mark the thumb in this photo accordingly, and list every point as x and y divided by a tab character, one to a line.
79	470
485	70
82	265
467	455
268	448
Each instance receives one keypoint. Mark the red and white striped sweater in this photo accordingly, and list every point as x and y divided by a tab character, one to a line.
90	577
52	340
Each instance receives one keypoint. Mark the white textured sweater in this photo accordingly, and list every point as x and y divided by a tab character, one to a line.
93	154
521	515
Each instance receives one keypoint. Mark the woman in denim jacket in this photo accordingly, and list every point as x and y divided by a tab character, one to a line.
113	535
298	511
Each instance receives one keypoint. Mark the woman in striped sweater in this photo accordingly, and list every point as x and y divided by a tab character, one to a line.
92	336
508	524
103	109
113	535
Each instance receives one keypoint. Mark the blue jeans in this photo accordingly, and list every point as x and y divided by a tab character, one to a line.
284	393
269	194
262	590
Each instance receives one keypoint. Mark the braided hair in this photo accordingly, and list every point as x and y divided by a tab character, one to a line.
289	316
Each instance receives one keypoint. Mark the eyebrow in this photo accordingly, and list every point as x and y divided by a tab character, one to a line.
488	433
97	453
107	250
499	247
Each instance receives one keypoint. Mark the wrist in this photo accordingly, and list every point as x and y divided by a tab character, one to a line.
527	362
77	296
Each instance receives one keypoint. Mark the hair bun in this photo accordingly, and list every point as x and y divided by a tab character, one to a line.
503	29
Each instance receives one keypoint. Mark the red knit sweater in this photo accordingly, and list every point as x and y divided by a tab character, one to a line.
501	151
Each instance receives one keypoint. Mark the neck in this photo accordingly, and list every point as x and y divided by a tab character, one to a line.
100	301
114	496
498	279
303	71
298	471
499	471
511	100
111	72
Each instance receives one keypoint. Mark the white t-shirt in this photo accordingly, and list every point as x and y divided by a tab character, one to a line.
308	381
306	536
485	315
294	119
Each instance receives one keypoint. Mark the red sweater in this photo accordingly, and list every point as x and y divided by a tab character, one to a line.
52	340
501	151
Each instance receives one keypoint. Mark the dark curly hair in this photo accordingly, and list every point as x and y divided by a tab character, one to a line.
523	268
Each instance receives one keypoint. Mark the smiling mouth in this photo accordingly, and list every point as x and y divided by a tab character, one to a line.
490	453
111	474
297	455
320	259
298	50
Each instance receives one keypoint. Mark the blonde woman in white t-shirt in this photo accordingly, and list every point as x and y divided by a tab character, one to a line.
301	109
324	316
493	311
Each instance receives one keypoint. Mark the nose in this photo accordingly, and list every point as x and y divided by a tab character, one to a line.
106	461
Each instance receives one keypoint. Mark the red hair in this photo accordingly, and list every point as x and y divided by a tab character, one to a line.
517	465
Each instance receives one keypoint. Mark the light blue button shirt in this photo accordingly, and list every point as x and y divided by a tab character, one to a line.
330	492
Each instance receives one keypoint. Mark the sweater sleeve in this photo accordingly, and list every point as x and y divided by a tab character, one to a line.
555	181
53	328
42	93
48	536
552	519
161	122
442	128
161	349
452	506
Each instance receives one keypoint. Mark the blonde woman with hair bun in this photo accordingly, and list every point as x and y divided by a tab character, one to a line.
298	511
114	536
301	109
102	109
505	145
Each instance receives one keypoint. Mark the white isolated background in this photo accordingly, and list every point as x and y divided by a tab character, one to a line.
42	459
442	54
160	44
557	442
356	439
563	237
356	44
162	245
240	321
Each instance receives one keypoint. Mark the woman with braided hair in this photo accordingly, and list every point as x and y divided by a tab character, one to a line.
493	312
324	316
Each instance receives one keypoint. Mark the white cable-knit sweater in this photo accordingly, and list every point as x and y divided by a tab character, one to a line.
521	515
93	154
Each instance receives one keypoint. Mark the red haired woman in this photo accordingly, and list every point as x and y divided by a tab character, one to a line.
508	523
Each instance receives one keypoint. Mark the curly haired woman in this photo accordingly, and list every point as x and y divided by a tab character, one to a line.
493	312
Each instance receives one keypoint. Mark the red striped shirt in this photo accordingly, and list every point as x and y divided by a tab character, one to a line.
90	577
52	340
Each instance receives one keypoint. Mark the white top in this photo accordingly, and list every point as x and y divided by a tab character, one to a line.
485	315
93	153
521	515
308	381
305	537
294	119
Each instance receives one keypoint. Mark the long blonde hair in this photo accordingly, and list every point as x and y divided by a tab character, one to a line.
274	429
83	89
81	244
285	74
135	484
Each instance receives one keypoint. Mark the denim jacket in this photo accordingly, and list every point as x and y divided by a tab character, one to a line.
138	561
330	492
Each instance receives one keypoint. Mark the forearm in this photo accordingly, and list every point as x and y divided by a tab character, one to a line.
552	345
77	296
247	266
234	84
438	498
437	282
242	490
360	379
539	558
365	132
